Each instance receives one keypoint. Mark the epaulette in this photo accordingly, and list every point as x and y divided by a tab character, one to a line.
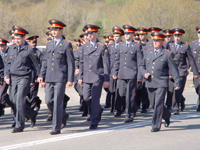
30	47
66	41
148	42
149	49
194	41
167	50
100	43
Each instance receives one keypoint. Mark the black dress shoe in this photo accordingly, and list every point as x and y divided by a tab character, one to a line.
13	125
49	118
144	110
176	112
117	114
106	106
100	114
64	121
16	130
88	118
54	132
198	109
37	107
33	120
84	114
127	120
26	119
167	122
169	107
155	130
182	106
93	127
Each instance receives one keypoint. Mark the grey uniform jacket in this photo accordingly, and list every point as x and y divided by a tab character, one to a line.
94	63
114	53
180	58
58	62
158	66
127	62
195	48
21	62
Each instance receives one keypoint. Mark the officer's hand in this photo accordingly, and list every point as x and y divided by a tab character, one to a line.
170	77
8	81
106	84
39	79
32	84
5	78
80	82
69	84
176	88
146	75
77	72
115	77
196	76
1	84
43	84
188	72
139	80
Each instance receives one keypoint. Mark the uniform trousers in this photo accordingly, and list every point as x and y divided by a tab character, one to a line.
126	88
197	85
157	98
54	95
19	89
92	94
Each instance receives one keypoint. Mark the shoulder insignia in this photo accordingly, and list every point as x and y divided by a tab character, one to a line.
194	41
100	43
66	41
149	49
167	50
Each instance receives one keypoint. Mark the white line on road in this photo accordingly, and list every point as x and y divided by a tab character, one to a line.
76	135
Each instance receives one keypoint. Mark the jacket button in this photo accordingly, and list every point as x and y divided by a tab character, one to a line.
53	53
152	76
51	68
52	63
52	58
124	67
89	70
151	71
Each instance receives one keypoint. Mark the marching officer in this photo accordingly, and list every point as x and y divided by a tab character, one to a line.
137	38
182	52
111	39
106	40
195	48
141	93
151	30
155	67
33	99
94	71
126	72
57	71
4	97
114	52
19	66
77	86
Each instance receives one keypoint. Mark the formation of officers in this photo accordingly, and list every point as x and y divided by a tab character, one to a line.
135	73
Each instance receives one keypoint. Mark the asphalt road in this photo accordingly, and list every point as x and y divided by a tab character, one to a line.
113	134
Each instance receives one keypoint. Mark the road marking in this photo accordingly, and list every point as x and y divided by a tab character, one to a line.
106	130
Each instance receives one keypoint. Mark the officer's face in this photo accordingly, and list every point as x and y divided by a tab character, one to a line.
111	41
19	40
117	38
143	37
168	39
57	33
198	35
93	36
32	44
158	44
13	41
3	48
86	38
128	36
178	38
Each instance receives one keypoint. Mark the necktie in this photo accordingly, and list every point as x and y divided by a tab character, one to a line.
91	45
127	45
116	46
156	52
55	43
176	46
18	48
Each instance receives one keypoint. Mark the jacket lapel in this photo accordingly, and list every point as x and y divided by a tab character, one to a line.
158	55
58	45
